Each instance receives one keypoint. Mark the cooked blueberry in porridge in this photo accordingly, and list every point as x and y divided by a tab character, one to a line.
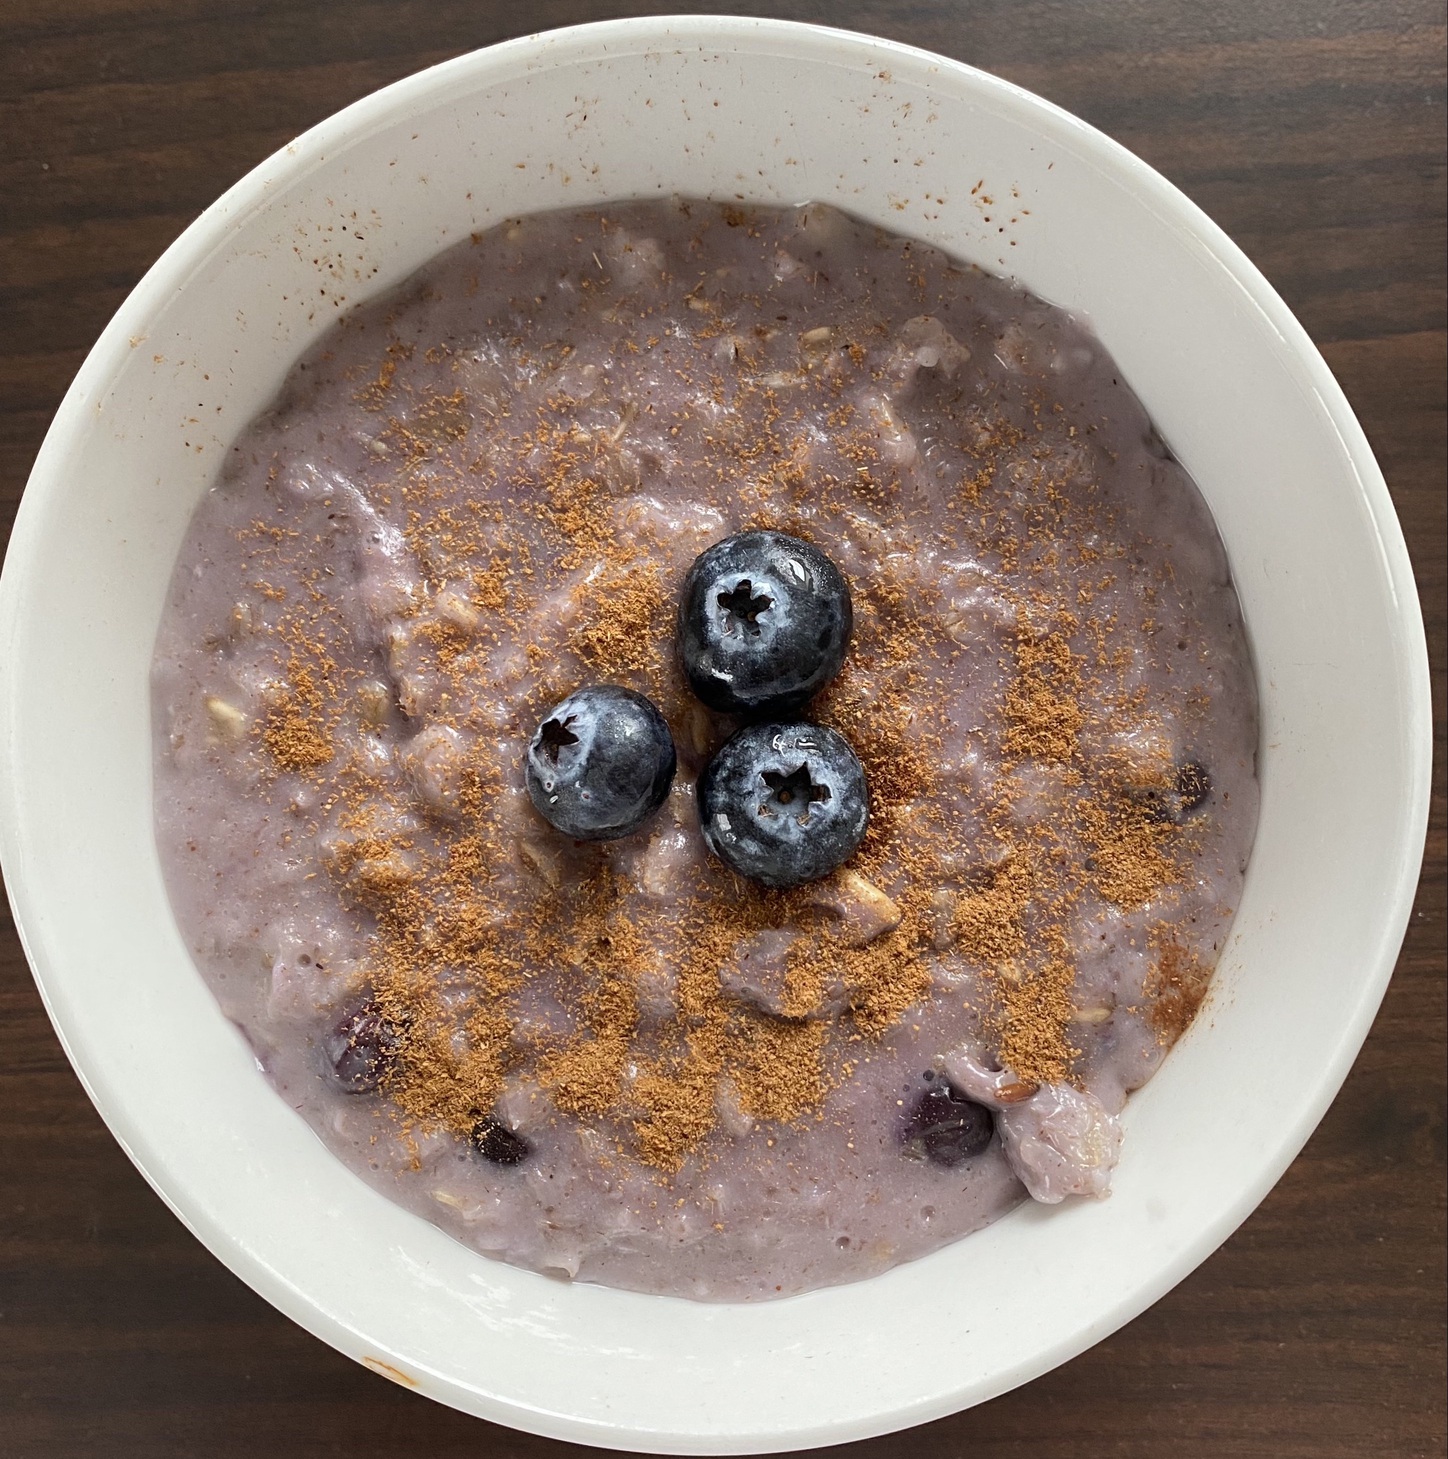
946	1127
784	804
764	620
601	763
708	749
360	1048
496	1143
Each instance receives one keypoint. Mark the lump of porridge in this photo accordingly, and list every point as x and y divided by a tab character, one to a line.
618	1061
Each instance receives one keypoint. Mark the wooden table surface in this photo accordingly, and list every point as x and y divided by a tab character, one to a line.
1313	131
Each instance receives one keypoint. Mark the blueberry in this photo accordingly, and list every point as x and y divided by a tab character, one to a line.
944	1127
496	1143
361	1047
764	621
783	804
601	763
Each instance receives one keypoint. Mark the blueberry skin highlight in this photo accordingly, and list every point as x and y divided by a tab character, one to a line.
764	622
784	804
601	763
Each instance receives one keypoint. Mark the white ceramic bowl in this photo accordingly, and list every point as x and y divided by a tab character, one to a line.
769	112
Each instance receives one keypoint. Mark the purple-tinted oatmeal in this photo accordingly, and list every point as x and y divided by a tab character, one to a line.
617	1061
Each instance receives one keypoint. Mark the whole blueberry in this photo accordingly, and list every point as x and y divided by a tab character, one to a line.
361	1048
601	763
944	1127
764	621
783	804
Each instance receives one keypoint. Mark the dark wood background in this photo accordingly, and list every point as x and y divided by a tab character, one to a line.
1313	130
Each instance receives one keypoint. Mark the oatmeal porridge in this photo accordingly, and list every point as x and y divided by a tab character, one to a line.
632	1057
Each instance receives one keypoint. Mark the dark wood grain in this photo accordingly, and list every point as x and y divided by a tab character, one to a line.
1313	130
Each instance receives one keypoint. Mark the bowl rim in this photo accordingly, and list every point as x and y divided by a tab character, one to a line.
289	164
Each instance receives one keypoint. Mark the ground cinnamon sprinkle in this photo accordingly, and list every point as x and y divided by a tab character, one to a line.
293	730
502	951
586	1075
435	1083
1174	988
988	917
491	586
1043	709
779	1067
1132	854
679	1103
626	621
1036	1020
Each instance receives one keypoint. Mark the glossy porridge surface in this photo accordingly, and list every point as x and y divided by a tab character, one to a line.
619	1062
